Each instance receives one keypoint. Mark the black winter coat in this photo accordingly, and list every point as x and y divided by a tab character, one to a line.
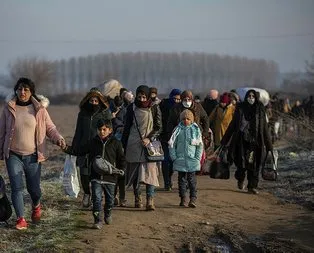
113	152
236	148
209	105
200	118
86	130
165	106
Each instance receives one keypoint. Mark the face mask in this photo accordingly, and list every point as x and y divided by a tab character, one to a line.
251	101
187	104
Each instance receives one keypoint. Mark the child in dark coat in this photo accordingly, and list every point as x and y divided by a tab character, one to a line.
107	146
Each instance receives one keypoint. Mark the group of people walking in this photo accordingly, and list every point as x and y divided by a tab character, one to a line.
118	129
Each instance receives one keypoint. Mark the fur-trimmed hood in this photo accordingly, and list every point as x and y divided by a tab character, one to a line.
43	101
102	99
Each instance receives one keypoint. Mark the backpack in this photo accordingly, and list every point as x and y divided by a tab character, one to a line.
5	205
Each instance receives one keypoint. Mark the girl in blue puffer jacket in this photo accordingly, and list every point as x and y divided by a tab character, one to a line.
185	148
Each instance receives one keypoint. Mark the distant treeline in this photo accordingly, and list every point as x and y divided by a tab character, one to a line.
198	71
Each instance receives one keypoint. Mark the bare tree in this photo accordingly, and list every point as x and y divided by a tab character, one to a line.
41	71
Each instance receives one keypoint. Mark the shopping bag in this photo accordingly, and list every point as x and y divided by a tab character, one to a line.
220	167
269	168
70	180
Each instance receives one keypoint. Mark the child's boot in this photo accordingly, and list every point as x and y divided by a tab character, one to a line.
138	201
192	202
108	217
183	201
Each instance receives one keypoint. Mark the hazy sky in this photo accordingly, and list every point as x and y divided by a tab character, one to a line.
279	30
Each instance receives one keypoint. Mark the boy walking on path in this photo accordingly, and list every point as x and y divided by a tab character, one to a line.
107	146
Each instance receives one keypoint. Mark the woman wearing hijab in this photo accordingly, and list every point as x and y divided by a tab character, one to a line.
93	107
221	117
142	125
24	125
249	139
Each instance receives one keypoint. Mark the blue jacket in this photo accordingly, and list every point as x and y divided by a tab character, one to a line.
186	148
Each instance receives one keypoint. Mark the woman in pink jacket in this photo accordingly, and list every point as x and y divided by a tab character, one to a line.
24	125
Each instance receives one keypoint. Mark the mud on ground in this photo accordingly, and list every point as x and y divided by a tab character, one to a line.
279	219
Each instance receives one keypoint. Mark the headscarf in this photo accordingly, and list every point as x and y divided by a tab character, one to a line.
187	94
249	110
173	93
224	98
92	108
143	89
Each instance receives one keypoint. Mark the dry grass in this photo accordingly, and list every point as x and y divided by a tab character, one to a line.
56	229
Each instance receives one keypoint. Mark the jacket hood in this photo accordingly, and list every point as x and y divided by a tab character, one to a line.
102	100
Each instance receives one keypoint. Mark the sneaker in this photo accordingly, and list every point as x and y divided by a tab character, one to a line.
86	200
192	203
97	225
122	202
116	201
108	220
168	189
241	185
252	191
21	224
36	214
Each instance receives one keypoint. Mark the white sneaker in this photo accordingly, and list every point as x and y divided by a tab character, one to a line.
97	225
86	200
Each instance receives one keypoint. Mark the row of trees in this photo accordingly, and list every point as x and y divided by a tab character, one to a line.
300	82
197	71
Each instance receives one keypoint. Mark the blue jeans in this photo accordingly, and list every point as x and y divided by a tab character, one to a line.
97	190
150	190
16	166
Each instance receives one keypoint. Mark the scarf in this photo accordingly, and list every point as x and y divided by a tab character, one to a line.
196	135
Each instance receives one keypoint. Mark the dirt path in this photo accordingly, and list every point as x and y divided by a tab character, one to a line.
225	218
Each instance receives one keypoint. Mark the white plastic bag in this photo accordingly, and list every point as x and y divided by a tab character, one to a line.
264	95
70	180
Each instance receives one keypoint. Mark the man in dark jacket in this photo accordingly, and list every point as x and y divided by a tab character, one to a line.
210	102
165	106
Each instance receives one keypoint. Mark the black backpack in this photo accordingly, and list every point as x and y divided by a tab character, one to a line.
5	205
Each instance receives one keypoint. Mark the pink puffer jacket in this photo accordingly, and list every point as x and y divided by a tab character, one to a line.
44	127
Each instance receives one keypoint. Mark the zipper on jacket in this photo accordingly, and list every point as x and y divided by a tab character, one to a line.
90	126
